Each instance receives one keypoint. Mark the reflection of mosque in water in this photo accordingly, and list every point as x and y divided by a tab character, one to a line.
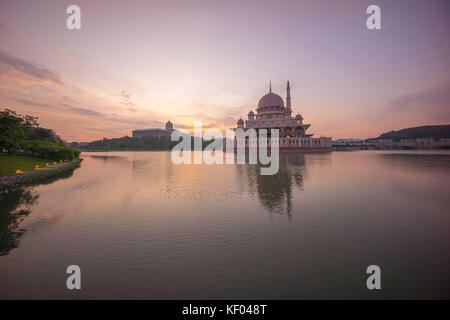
276	192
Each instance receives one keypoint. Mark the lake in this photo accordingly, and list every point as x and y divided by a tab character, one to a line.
139	226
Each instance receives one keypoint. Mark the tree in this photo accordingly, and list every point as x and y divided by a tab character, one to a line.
11	130
24	132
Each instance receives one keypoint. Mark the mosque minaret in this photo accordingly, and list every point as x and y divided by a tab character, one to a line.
271	113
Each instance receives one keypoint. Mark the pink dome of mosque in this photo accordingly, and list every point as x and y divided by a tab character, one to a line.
271	100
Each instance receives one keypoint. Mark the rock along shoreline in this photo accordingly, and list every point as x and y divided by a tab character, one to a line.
33	176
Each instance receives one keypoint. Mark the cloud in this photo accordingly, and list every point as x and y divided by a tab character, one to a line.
433	103
36	104
67	99
101	130
126	100
84	111
112	118
64	106
19	69
125	94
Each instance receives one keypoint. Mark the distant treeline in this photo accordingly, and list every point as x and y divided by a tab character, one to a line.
164	143
435	132
129	144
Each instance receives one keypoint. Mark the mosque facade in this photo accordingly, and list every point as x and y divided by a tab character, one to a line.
271	113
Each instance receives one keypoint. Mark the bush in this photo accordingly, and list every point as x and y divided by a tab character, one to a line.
52	151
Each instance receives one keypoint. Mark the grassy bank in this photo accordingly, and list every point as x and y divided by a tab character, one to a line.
10	163
32	177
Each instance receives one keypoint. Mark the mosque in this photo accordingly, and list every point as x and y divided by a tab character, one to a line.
271	113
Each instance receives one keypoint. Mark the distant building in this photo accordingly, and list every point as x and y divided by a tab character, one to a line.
391	144
384	143
419	143
154	132
348	141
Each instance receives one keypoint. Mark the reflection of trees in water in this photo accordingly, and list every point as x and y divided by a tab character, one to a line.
276	192
49	180
105	158
15	205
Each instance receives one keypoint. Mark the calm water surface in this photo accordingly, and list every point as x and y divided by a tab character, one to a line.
141	227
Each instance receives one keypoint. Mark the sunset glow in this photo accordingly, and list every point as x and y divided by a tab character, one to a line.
137	64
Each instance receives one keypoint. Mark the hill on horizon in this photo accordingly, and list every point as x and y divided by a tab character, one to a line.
436	132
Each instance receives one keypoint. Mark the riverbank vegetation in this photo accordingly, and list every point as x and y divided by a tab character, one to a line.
9	164
23	134
126	144
24	144
131	144
37	176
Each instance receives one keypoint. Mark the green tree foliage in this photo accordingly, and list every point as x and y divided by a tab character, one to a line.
18	132
128	143
11	130
436	132
51	150
131	144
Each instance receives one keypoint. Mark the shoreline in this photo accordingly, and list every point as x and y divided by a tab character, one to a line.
19	179
123	150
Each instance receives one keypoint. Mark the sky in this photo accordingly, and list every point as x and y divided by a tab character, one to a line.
136	64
